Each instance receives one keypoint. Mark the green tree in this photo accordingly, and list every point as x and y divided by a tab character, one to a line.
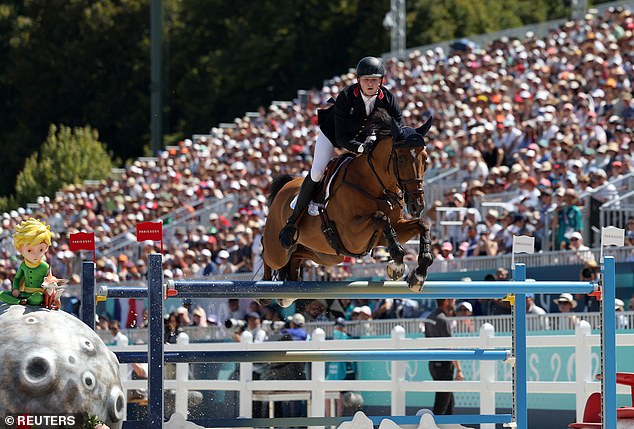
430	21
69	155
73	62
238	58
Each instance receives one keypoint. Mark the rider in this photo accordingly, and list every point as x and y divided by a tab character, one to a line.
338	125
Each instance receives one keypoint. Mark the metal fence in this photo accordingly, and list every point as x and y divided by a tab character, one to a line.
414	328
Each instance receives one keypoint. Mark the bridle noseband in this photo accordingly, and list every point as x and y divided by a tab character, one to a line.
419	188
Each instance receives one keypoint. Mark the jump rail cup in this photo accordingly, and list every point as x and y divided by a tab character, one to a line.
368	290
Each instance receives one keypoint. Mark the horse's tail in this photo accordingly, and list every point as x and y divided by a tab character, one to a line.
277	185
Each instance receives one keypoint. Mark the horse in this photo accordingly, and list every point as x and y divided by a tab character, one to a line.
364	208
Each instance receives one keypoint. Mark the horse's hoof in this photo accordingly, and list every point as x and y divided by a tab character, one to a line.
416	282
285	302
395	271
264	301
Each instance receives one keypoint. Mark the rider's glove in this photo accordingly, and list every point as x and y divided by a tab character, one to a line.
355	146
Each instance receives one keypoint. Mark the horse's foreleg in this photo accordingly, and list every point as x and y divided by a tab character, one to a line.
395	268
417	279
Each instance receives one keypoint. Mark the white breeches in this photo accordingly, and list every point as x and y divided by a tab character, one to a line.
324	151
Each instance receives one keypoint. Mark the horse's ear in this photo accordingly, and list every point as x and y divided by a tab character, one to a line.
395	130
424	129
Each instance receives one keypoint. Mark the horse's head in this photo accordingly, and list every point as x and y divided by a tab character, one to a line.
410	156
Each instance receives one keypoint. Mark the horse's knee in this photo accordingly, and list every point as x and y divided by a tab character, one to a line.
424	225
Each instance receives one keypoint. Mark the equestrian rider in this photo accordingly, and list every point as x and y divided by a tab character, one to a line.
338	125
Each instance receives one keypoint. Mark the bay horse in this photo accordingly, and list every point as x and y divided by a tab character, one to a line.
364	208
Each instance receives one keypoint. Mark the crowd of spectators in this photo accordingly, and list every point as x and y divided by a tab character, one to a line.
544	119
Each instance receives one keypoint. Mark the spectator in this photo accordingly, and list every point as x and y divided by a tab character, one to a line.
224	264
484	246
254	327
172	328
199	317
437	325
582	252
464	309
118	338
258	335
341	370
539	322
290	370
296	330
445	252
183	316
589	273
566	304
568	220
622	321
208	266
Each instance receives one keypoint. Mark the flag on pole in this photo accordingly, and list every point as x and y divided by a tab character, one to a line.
152	231
612	236
522	244
83	241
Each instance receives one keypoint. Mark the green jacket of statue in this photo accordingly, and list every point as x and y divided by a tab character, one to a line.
29	279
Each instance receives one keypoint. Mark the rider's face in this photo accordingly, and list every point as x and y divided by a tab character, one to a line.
369	85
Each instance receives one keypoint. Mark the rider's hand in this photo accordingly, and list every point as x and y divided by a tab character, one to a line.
15	293
358	146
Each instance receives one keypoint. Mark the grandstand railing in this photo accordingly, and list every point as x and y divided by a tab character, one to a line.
492	263
414	327
362	270
618	211
195	213
501	199
439	182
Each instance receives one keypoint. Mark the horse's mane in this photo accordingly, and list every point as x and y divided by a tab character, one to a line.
378	122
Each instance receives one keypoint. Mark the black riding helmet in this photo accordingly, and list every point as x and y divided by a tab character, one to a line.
370	66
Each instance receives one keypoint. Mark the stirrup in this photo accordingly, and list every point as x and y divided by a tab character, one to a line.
289	235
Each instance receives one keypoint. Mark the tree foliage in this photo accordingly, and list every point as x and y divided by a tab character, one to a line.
76	62
69	156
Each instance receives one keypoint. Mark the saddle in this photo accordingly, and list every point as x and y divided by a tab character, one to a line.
323	194
332	169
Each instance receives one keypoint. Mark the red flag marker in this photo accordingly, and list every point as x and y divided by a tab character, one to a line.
152	231
83	241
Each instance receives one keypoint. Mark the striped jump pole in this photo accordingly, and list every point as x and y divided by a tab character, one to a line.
319	355
354	289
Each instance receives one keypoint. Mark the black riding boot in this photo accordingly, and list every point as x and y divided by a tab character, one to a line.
290	233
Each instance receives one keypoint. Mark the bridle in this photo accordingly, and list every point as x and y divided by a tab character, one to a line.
412	139
419	188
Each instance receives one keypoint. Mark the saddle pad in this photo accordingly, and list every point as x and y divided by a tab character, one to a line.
313	207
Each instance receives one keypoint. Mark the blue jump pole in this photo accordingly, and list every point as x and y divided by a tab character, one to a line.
355	289
366	289
88	293
608	343
155	341
520	406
